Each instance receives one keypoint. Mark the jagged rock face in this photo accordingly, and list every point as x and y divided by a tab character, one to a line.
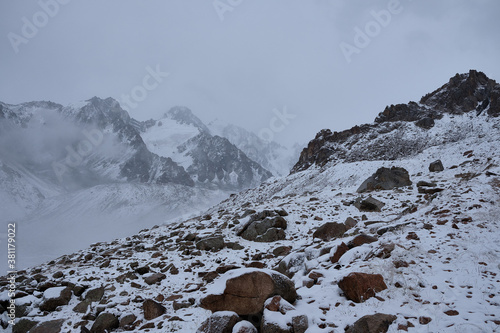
215	159
465	93
387	138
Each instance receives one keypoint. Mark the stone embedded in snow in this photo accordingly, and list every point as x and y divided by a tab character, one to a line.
246	290
376	323
369	204
291	264
244	327
94	295
154	278
360	240
219	322
53	326
350	223
152	309
23	326
281	317
386	179
104	323
54	297
436	166
329	231
215	243
339	252
358	287
265	226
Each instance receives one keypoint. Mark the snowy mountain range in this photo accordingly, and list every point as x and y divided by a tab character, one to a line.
57	160
386	227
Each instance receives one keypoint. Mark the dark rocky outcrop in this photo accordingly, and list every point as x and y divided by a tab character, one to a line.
386	140
386	179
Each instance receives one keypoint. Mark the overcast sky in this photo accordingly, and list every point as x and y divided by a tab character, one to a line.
331	64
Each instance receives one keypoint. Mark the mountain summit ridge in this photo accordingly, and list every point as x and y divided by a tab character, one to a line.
464	93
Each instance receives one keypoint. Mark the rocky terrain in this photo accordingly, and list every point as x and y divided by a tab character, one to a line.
367	234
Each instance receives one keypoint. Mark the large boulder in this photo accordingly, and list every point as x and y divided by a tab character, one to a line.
329	231
54	297
266	226
386	179
246	290
152	309
219	322
377	323
105	322
213	243
358	287
436	166
369	204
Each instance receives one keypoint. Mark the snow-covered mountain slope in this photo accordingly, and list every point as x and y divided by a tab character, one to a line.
212	161
435	244
271	155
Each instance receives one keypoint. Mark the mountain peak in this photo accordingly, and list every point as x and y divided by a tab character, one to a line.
184	115
464	93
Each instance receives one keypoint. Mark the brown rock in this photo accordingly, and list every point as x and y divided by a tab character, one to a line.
424	320
329	231
358	287
154	278
245	294
360	240
377	323
350	223
339	252
152	309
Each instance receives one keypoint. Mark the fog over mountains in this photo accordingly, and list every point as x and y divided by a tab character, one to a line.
90	166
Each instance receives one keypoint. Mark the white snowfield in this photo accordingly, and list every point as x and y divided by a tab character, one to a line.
453	271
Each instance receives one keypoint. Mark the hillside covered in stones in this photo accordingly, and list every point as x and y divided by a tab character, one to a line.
356	239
